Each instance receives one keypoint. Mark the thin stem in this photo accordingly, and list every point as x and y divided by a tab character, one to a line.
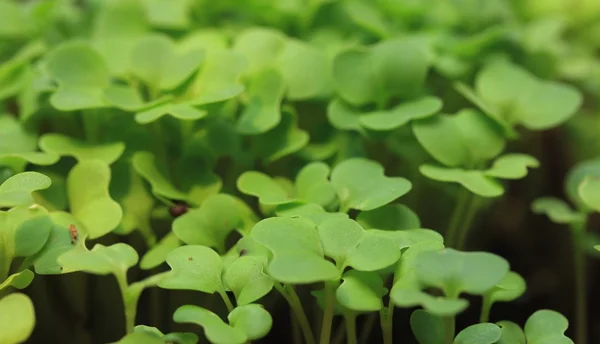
365	333
578	233
486	306
449	329
350	320
296	332
227	301
130	308
328	312
463	230
457	215
387	322
292	298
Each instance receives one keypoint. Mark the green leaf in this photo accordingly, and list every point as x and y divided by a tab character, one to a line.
455	272
579	172
218	80
427	328
353	78
297	251
212	223
19	280
13	20
194	267
17	189
402	114
263	110
440	306
512	166
169	14
253	320
484	333
349	244
247	280
31	235
305	70
589	192
390	217
158	254
155	61
81	74
82	151
46	260
545	327
511	333
343	116
17	318
368	17
361	291
361	184
262	186
520	97
557	210
100	260
511	287
260	46
117	27
313	186
313	213
145	165
285	139
137	208
140	337
215	329
89	200
409	237
152	332
475	181
184	111
466	139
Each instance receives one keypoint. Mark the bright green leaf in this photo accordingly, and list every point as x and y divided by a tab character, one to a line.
401	114
253	320
475	181
427	328
19	280
262	112
100	260
391	217
194	267
512	166
247	279
82	151
557	210
361	291
158	254
285	139
17	318
484	333
511	333
545	327
17	189
31	235
145	165
589	192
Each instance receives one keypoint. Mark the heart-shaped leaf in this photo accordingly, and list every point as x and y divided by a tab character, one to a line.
391	217
174	15
260	46
158	254
246	278
31	235
145	165
18	146
19	280
455	272
349	244
82	151
475	181
253	320
305	70
141	337
263	110
137	206
427	328
100	260
401	114
249	322
148	332
194	267
484	333
89	199
511	333
182	111
17	318
361	291
297	251
512	166
545	327
313	186
81	74
557	210
511	287
313	213
589	192
17	189
361	184
212	223
576	176
517	96
218	80
264	187
409	237
466	139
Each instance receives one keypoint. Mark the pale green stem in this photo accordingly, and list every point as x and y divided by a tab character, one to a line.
457	215
129	305
350	320
292	298
296	331
486	306
226	300
463	230
387	322
328	310
578	236
449	329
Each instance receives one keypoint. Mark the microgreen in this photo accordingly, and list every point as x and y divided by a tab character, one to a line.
294	171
